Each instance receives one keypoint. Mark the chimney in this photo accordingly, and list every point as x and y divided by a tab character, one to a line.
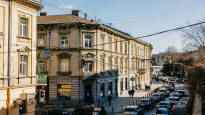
43	13
75	12
85	15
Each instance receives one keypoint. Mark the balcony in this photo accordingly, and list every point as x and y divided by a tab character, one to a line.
64	73
141	71
42	78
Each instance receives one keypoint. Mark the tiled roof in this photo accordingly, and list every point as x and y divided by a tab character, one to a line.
57	19
60	19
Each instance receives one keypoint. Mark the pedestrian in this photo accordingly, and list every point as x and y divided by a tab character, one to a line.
103	111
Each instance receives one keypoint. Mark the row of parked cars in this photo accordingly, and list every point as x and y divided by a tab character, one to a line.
165	100
175	103
148	103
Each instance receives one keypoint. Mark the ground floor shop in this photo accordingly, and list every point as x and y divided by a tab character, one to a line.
100	88
17	100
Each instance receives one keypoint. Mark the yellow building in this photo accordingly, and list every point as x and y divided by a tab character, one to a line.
87	60
18	55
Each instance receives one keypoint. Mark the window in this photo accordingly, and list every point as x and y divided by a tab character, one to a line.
116	62
121	47
110	62
64	91
121	85
88	67
23	27
116	47
121	65
63	40
125	47
133	64
23	65
110	41
126	65
126	83
102	41
41	39
102	60
64	65
41	67
88	37
142	52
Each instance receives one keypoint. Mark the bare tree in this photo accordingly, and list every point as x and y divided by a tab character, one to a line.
194	38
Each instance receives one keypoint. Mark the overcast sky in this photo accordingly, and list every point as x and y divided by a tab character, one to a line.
139	17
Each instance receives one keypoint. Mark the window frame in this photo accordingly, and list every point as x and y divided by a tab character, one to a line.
23	65
63	68
88	67
88	42
63	39
23	27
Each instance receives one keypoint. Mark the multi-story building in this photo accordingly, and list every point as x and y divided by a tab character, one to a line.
87	60
18	55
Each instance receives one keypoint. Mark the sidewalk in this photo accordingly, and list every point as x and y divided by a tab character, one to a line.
197	109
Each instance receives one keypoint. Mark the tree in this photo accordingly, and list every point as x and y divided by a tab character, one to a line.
194	37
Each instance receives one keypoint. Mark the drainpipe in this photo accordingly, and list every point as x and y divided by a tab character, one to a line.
8	66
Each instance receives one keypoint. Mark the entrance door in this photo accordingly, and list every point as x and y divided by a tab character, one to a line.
88	95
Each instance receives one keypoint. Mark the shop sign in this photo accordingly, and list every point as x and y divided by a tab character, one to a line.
64	89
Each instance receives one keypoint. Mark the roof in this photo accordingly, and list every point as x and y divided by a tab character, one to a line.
68	18
60	19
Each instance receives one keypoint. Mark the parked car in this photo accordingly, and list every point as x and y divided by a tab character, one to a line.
133	110
182	92
174	99
155	97
58	112
162	111
146	103
165	104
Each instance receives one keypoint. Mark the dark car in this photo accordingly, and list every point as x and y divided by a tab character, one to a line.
165	104
133	110
162	111
155	97
58	112
146	103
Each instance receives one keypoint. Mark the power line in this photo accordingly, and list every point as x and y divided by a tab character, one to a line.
169	30
140	37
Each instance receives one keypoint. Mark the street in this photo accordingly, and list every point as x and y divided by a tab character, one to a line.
179	106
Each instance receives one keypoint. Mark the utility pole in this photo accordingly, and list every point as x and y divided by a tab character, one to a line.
8	65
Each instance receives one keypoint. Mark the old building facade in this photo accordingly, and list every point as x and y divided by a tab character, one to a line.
18	55
87	60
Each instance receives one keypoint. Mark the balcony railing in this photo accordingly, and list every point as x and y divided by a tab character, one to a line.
42	78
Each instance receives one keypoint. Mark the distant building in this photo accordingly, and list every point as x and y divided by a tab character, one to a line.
156	70
88	61
18	56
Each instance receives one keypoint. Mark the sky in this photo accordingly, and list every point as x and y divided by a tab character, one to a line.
139	17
